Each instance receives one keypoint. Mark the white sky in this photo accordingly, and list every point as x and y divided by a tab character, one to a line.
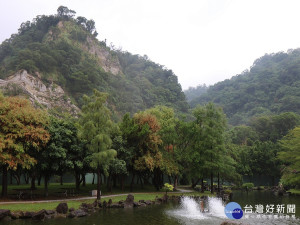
202	41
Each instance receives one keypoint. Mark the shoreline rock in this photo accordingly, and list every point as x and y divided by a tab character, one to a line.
63	211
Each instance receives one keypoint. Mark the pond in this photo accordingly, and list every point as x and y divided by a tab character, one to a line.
186	213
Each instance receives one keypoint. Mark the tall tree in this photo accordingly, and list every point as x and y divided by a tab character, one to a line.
166	119
290	155
56	159
65	12
96	128
209	127
148	157
21	128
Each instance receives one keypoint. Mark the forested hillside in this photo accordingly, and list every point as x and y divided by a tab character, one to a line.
195	92
63	50
272	86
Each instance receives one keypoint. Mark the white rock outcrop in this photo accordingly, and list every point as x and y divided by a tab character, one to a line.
39	94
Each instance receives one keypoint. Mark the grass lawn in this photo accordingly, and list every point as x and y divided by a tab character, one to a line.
75	204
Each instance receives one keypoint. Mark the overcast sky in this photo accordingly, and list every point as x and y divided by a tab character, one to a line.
202	41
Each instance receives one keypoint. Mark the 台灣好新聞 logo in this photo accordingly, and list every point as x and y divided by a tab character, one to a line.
233	210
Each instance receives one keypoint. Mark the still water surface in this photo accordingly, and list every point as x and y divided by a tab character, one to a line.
187	213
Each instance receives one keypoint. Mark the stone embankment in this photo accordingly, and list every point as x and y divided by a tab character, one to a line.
85	209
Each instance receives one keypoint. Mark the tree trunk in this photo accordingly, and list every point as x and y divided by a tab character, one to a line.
33	182
39	180
46	185
77	181
93	182
114	181
11	178
104	179
202	185
4	181
109	183
142	184
218	182
132	181
61	180
26	177
175	182
17	178
211	182
122	182
157	180
195	183
83	180
98	183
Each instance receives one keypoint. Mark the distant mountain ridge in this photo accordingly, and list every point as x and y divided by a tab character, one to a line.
64	52
272	86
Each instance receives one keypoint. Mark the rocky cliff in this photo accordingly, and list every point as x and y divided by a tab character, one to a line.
49	96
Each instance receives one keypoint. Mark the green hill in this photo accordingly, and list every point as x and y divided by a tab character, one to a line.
272	86
63	50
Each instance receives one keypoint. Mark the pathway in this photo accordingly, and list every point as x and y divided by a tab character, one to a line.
87	198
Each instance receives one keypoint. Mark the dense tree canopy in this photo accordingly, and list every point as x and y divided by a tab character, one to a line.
96	128
290	155
21	128
270	87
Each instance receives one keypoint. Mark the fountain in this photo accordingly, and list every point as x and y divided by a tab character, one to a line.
191	212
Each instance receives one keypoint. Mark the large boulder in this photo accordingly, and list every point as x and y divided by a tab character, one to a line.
4	213
129	201
26	215
165	198
87	207
77	213
15	215
116	205
62	208
95	204
136	204
50	212
148	202
40	215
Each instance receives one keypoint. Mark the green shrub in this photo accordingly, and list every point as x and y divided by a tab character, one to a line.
227	191
168	187
247	185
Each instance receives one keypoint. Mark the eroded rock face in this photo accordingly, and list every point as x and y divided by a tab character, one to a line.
52	96
106	60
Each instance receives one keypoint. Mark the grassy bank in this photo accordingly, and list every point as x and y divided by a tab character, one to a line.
75	204
295	191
